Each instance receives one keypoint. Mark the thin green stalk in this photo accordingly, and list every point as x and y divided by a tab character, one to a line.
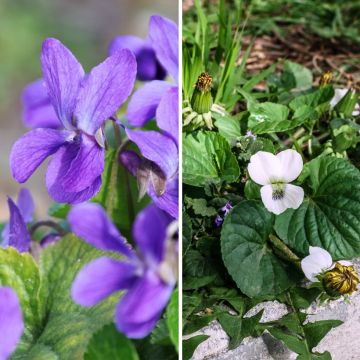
284	251
50	224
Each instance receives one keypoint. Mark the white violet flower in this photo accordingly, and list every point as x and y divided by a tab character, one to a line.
275	172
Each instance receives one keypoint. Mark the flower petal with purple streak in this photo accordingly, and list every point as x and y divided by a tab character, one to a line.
167	113
11	322
141	307
90	222
86	167
19	237
103	91
30	150
149	232
96	281
164	37
144	102
63	75
158	148
58	167
37	109
131	160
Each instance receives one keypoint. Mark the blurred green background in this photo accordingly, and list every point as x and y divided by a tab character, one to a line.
86	27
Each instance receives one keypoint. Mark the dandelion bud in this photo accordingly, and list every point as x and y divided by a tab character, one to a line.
202	101
341	280
326	78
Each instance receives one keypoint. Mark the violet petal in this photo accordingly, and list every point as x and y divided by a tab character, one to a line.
91	223
147	64
11	322
87	166
57	168
37	110
31	149
62	74
149	232
131	160
141	307
167	113
100	278
169	201
104	90
158	148
164	37
144	102
19	237
26	205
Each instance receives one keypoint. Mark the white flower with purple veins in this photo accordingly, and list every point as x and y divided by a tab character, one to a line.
274	173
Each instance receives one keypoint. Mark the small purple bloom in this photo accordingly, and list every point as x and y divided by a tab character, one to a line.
164	39
82	104
148	67
149	276
11	322
250	135
37	108
218	220
15	232
226	208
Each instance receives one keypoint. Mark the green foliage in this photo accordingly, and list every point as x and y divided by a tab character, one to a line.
329	217
108	343
189	345
207	156
172	318
247	255
55	327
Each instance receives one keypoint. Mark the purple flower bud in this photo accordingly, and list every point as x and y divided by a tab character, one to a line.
226	208
218	220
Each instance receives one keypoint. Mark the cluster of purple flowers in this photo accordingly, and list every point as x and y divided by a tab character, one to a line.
66	112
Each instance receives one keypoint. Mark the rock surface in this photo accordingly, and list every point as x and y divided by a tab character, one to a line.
342	342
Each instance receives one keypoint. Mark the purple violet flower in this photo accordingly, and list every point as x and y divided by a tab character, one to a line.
11	322
218	220
37	108
149	276
82	103
15	232
157	173
226	208
164	39
148	67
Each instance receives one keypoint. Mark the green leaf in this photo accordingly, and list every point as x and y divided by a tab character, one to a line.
291	341
330	216
200	207
301	75
55	327
318	99
314	332
186	233
246	252
20	272
270	117
229	127
172	318
191	344
237	327
108	343
207	156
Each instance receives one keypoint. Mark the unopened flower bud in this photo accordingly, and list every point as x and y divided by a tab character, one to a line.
202	101
341	280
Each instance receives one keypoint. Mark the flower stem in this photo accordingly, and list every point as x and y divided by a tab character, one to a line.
284	251
50	224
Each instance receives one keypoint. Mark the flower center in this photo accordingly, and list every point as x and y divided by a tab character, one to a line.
278	190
